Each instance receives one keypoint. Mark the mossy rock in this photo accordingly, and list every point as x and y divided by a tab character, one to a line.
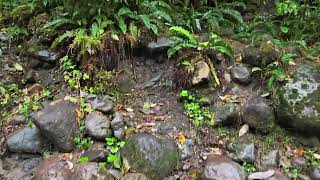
147	154
298	101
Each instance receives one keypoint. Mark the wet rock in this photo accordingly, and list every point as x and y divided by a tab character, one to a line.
316	173
258	114
17	120
47	56
154	79
150	155
241	73
98	126
53	169
225	113
202	74
186	149
89	171
26	140
125	82
58	123
135	176
98	153
4	37
244	152
297	102
222	168
270	161
101	103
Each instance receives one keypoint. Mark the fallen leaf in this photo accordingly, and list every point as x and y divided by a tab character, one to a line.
243	130
129	109
238	57
317	156
298	152
181	138
18	67
216	151
70	165
261	175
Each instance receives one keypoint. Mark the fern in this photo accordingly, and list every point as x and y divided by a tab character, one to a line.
60	39
181	31
58	22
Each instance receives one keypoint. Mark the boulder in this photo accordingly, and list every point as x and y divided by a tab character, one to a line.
150	155
89	171
118	126
125	82
17	120
58	122
202	73
98	126
101	103
222	168
270	161
241	73
244	152
297	102
258	114
225	113
135	176
25	140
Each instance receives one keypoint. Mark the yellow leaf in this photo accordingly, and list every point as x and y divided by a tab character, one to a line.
212	120
181	138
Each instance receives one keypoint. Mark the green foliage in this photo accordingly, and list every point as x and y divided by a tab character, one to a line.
248	167
182	38
286	7
84	159
114	146
194	110
293	172
312	157
83	143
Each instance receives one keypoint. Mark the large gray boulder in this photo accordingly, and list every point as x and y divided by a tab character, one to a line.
298	101
222	168
98	126
58	122
150	155
27	140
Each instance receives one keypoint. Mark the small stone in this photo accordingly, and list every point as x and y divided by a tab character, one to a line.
117	122
316	173
4	37
119	134
103	104
115	173
89	171
241	73
48	56
245	152
278	175
17	120
98	126
186	149
222	168
135	176
125	82
202	74
26	140
258	114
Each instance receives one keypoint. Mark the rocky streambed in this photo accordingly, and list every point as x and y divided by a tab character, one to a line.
255	134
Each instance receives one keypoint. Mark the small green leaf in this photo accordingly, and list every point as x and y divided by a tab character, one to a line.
184	93
18	67
284	29
84	159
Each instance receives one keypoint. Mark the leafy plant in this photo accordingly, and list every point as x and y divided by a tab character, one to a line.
83	143
114	146
293	172
194	110
182	38
248	167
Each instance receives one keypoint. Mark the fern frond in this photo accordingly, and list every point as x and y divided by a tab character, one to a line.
233	15
58	22
181	31
60	39
175	48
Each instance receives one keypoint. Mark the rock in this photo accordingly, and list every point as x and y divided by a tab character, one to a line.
295	50
147	154
89	171
125	82
270	161
245	152
58	122
303	177
53	168
186	149
4	37
98	153
316	173
98	126
202	74
117	122
101	103
222	168
278	175
0	52
297	102
161	45
47	56
154	79
261	175
17	120
260	57
225	113
27	140
258	114
241	73
135	176
299	162
115	173
119	134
